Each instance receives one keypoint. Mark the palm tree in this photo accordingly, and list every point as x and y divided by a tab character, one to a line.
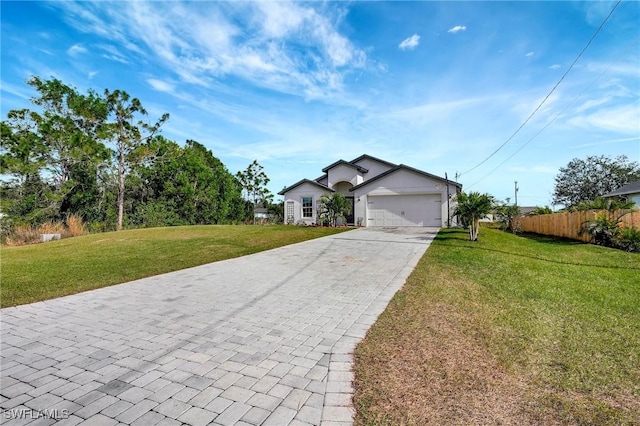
471	208
334	206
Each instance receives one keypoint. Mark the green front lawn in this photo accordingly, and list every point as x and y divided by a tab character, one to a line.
507	330
58	268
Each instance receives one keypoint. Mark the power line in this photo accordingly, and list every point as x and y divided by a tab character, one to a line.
550	93
573	101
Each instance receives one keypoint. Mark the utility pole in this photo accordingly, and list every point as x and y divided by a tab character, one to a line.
516	188
448	208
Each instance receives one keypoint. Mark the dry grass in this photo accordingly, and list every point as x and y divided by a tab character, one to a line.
51	228
21	235
75	226
506	331
444	375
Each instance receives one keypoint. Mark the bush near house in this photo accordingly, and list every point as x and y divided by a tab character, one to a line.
333	207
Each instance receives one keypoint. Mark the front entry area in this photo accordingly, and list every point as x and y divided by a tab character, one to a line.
350	217
405	210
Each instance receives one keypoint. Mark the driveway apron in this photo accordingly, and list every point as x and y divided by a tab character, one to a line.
264	339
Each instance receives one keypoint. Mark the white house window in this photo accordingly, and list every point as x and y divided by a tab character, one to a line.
307	207
290	217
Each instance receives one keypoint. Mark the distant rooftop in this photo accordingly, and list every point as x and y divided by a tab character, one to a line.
630	188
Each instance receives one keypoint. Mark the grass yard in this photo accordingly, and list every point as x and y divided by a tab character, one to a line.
506	330
58	268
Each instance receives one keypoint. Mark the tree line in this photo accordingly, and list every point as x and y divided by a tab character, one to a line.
101	157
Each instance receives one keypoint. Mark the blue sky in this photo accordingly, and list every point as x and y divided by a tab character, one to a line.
435	85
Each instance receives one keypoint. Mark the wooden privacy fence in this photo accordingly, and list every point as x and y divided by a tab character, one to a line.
568	224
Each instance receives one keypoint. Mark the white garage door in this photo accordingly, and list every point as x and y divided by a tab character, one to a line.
405	210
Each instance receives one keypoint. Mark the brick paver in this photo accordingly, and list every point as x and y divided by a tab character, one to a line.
262	339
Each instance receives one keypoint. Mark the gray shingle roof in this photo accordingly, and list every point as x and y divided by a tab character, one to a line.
403	167
630	188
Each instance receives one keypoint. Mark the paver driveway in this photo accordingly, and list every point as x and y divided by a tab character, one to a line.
262	339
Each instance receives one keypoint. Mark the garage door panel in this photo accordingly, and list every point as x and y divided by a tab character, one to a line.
404	210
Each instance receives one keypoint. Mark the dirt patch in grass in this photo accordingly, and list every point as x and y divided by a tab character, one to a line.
435	370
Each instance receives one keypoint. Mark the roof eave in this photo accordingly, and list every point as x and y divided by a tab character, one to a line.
405	167
346	163
302	182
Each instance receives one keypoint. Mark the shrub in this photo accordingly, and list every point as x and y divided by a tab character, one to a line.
610	232
541	210
629	239
602	230
508	217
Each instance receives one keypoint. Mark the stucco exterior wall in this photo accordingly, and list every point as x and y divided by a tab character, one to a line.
296	195
404	182
375	168
344	173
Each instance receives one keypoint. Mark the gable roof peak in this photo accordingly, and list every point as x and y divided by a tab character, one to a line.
346	163
303	181
369	157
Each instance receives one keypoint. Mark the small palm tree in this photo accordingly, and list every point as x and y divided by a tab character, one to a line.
471	208
334	206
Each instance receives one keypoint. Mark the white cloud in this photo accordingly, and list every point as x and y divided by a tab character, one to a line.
410	43
554	67
528	55
293	48
112	53
18	91
161	86
76	50
429	112
457	29
624	119
280	19
607	142
92	74
593	103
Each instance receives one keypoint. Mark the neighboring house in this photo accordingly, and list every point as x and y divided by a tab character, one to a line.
261	213
381	194
630	192
493	216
